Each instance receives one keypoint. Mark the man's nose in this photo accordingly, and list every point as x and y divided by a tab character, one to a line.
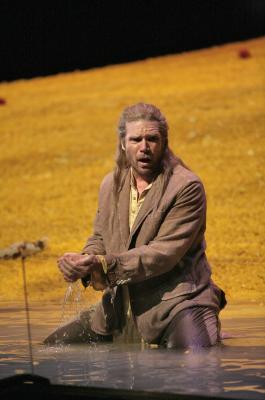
144	145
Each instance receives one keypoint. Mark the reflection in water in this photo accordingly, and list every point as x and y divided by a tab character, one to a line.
233	369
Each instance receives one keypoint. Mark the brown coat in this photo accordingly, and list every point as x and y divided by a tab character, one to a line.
162	260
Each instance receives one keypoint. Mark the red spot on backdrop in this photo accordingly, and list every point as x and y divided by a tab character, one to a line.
2	101
244	53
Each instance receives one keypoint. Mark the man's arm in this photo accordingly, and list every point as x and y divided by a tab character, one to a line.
86	266
94	244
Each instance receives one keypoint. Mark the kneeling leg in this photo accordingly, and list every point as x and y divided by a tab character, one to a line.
192	327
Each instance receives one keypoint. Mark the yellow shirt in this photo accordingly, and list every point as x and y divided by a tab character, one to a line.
136	201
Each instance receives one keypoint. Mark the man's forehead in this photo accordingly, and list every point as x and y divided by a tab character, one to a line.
142	126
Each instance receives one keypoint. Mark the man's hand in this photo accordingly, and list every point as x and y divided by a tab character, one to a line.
74	266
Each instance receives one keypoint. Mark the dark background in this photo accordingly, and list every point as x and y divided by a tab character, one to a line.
47	37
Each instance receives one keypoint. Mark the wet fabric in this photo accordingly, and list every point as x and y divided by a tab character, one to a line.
77	330
192	327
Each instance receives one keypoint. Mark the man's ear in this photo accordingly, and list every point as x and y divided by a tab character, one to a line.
122	146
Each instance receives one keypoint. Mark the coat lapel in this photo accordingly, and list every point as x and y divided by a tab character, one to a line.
150	203
123	209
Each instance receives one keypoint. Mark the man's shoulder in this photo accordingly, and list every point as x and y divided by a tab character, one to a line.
184	176
108	179
183	182
106	187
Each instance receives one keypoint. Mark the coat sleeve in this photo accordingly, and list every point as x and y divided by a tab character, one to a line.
183	224
95	244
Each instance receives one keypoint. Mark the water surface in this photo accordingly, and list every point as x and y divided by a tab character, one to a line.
232	369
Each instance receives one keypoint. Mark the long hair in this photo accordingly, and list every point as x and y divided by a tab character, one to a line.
136	112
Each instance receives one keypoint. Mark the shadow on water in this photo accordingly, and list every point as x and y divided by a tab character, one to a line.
234	369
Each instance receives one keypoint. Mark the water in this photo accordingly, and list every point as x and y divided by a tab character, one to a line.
233	369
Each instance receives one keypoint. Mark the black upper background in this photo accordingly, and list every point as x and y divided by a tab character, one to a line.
46	37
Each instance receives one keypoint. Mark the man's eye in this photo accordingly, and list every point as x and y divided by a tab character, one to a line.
135	139
153	139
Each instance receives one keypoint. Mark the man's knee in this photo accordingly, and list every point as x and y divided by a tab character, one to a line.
191	328
78	330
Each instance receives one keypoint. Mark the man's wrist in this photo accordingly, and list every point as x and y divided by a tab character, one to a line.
86	280
98	276
103	263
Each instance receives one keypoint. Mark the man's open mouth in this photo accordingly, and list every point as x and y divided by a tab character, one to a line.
145	160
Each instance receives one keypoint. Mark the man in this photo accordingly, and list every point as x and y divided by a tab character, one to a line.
147	251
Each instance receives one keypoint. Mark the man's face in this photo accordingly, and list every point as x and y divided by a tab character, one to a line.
144	147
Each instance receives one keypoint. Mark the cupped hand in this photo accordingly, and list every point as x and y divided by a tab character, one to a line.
74	266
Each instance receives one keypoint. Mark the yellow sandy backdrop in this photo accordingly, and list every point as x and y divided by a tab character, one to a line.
58	139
